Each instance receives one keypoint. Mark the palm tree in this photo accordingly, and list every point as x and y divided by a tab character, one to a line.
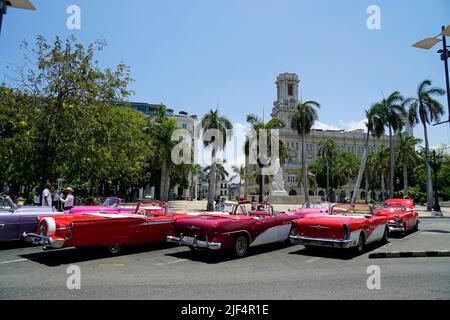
345	168
257	124
213	121
241	172
375	127
221	172
327	152
304	118
406	154
425	109
391	114
195	170
378	161
162	130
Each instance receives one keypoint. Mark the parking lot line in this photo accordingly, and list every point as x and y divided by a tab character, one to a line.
13	261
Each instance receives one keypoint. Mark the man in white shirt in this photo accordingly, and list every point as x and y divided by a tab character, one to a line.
47	196
70	199
36	200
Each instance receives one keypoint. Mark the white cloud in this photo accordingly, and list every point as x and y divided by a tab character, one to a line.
323	126
354	125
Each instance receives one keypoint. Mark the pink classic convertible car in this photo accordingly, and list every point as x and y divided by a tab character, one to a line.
110	205
236	228
313	208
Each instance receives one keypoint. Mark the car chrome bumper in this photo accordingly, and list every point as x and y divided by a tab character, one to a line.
196	243
318	242
395	227
44	241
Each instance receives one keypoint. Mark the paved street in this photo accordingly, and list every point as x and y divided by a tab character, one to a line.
270	272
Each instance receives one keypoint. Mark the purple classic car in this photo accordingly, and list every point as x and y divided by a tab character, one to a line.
14	220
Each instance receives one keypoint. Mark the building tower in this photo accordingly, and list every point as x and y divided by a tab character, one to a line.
287	97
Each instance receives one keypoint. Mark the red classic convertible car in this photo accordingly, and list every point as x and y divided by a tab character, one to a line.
348	226
150	223
237	227
401	214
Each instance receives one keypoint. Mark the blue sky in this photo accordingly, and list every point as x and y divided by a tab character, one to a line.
196	54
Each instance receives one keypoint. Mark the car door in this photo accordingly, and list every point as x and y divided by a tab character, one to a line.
376	228
271	228
9	221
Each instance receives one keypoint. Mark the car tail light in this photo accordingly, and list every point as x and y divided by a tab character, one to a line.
346	232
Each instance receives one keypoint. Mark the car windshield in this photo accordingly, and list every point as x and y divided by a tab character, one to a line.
352	210
393	205
7	204
316	205
111	202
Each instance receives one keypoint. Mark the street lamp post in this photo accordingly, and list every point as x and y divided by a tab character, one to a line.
429	43
19	4
436	163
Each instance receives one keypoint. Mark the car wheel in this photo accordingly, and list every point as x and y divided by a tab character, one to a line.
114	249
292	232
416	227
361	244
240	246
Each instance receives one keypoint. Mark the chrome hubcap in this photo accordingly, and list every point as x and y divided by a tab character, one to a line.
241	246
114	248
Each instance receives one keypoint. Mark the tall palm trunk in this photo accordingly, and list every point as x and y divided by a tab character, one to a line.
162	188
367	189
405	179
212	182
328	181
428	169
392	164
305	169
362	168
383	188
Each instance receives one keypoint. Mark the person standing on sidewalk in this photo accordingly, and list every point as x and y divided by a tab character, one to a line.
70	199
36	199
47	195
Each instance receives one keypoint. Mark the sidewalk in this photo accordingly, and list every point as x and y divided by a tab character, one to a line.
423	213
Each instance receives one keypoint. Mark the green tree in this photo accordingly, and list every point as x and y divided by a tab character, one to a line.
241	172
424	108
67	85
345	168
391	113
303	120
405	153
327	152
375	127
379	165
162	129
215	135
259	126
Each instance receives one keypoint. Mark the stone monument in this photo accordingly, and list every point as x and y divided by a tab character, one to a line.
277	188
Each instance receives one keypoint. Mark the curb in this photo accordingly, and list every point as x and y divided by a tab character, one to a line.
434	217
417	254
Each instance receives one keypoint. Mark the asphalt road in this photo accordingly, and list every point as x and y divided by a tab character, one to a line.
270	272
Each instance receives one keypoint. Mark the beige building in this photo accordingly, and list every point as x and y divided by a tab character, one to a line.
348	141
